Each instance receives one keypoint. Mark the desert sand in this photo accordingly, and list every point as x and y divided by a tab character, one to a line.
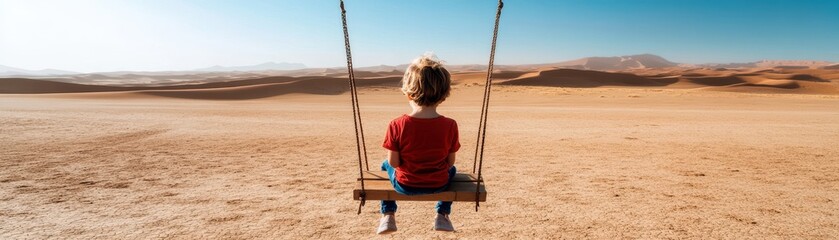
665	153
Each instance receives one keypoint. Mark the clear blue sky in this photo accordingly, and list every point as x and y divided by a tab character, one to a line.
105	35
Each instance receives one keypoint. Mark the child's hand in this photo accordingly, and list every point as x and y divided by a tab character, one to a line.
451	159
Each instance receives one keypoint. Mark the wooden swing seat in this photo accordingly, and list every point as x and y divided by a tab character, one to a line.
462	189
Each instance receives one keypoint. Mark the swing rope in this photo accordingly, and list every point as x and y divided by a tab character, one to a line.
482	125
361	146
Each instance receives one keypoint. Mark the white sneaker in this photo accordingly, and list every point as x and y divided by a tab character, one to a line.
442	223
387	224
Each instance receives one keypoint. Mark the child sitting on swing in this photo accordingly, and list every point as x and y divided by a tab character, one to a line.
421	145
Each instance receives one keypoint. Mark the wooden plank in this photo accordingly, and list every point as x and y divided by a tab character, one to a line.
457	192
382	175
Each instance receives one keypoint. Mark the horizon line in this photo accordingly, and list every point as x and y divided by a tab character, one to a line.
394	65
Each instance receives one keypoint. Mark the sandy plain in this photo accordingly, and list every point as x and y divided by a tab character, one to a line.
561	162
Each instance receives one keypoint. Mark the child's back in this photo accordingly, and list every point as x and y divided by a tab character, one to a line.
422	144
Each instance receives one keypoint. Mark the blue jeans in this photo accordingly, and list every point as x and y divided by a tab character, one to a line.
390	206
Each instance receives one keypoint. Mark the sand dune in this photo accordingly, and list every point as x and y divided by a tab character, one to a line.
479	78
231	90
715	81
780	86
775	80
585	78
30	86
311	85
364	74
314	86
784	84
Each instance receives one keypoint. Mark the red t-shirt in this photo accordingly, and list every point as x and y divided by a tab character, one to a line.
424	146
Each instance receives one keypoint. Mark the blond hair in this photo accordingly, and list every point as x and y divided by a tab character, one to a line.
426	81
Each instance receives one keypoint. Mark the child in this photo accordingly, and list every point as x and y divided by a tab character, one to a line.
421	145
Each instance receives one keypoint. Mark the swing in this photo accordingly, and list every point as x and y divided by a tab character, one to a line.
375	185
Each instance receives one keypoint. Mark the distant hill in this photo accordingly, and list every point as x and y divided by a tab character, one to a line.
616	63
647	61
796	64
11	71
268	66
590	63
